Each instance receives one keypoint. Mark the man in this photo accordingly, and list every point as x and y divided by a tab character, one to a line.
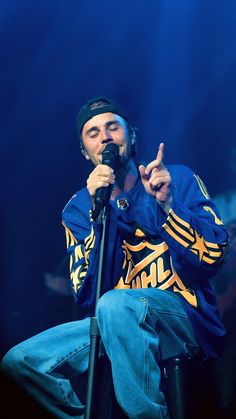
165	241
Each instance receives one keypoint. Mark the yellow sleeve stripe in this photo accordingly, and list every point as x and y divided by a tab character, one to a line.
178	219
181	230
93	241
75	278
75	273
175	236
76	285
78	253
70	238
207	251
217	220
212	255
191	298
202	187
89	239
208	260
71	262
212	246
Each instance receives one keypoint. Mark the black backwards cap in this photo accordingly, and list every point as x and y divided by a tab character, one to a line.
96	106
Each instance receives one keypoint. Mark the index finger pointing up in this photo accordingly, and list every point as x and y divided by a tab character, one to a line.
155	164
160	153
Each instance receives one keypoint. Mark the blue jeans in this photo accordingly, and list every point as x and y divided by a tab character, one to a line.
138	328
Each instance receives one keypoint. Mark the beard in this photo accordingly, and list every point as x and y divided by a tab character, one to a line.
127	156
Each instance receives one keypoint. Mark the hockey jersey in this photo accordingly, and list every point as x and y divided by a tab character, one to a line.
178	252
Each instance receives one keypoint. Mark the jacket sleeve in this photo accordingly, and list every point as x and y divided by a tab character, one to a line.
82	241
193	228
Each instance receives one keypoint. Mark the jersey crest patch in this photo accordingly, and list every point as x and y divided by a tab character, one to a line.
149	265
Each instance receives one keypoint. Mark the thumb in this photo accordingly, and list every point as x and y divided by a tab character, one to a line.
142	172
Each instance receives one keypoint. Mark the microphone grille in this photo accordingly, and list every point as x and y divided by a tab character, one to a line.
110	155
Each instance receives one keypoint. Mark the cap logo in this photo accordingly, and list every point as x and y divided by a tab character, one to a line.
97	105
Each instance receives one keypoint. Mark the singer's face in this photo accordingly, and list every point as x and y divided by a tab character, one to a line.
103	129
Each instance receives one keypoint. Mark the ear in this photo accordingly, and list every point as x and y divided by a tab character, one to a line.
133	140
132	135
84	152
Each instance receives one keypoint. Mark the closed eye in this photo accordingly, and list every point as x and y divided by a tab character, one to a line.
113	126
93	133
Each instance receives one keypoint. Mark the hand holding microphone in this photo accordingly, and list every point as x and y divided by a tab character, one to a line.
102	178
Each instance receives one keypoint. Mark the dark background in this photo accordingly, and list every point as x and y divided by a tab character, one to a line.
170	64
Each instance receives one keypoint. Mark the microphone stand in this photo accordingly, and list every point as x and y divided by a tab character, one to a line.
94	331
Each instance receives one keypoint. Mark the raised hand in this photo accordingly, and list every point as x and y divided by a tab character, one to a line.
156	179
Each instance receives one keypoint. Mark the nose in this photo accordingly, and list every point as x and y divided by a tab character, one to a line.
106	137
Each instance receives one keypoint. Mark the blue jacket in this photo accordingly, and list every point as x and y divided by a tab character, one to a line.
147	248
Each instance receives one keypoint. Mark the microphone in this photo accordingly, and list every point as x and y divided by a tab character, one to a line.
110	157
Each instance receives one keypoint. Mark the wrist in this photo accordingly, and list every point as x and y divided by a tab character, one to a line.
165	206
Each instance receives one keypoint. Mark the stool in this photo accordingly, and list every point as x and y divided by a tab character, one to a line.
190	388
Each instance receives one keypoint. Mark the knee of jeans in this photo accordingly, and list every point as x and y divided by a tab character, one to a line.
107	304
10	364
116	304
